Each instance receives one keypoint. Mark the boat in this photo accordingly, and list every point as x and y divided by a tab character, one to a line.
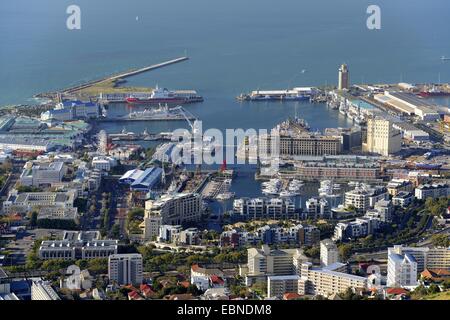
225	196
433	92
163	96
295	97
160	113
444	58
287	194
359	120
271	187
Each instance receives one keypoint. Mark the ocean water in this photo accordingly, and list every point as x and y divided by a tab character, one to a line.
234	46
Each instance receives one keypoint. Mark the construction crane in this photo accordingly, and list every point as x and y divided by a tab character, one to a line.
188	120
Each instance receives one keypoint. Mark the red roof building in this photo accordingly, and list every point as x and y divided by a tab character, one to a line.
396	291
436	275
291	296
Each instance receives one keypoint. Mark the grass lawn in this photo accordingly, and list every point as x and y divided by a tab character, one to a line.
108	86
437	296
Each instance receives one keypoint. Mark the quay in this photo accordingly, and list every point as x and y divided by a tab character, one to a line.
130	136
161	118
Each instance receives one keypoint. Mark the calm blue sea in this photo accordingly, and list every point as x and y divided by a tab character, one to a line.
234	46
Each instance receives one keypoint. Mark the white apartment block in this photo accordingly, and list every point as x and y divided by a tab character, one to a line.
327	281
176	209
125	269
258	208
365	197
317	208
403	199
360	227
329	253
434	191
41	290
402	270
426	258
151	226
382	138
266	261
277	286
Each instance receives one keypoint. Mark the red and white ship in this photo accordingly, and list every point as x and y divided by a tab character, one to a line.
165	96
433	92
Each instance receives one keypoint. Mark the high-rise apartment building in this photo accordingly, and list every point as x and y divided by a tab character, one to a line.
125	268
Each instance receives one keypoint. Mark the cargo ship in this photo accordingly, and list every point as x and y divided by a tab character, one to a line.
165	96
433	92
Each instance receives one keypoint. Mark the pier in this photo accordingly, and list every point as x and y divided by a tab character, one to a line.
126	74
112	78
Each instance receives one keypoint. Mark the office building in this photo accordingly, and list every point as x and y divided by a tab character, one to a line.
37	173
125	269
336	167
303	144
28	201
103	163
77	245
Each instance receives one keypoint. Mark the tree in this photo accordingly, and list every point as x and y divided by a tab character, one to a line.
441	240
115	231
345	251
33	220
312	252
98	265
434	288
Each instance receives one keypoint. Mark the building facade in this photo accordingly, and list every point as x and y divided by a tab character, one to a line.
125	269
